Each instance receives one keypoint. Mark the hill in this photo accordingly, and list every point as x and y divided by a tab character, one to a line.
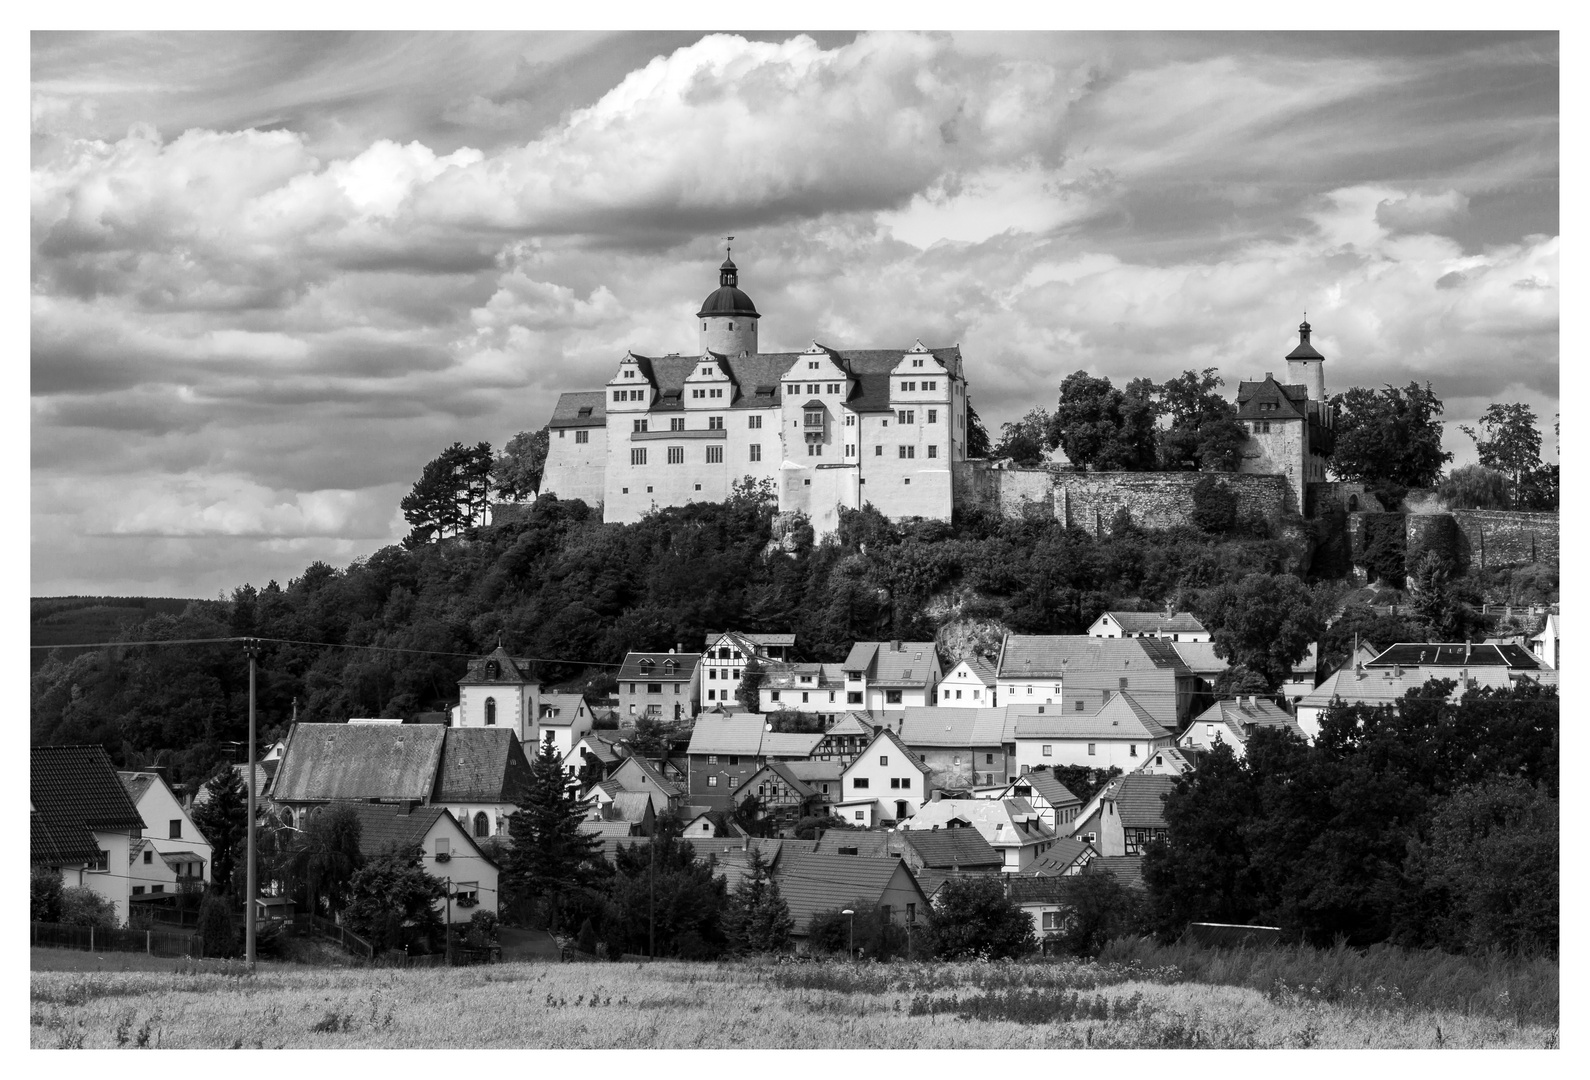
78	620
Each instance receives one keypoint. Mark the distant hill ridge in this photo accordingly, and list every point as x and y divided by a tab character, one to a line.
63	621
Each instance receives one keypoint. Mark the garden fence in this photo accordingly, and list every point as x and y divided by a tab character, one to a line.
99	939
350	941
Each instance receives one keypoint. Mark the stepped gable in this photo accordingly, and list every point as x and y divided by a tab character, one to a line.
353	762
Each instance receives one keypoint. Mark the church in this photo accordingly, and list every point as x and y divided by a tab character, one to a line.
829	428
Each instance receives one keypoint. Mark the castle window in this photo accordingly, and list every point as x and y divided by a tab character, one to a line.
676	423
908	451
1266	426
754	422
640	425
930	385
850	421
560	433
907	416
850	449
703	324
637	455
811	365
580	436
714	423
933	451
717	392
916	362
618	395
714	455
731	326
933	416
676	455
877	451
756	451
491	712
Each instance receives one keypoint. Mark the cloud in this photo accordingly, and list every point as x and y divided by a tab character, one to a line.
1421	213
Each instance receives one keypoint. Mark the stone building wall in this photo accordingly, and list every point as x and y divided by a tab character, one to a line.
1501	537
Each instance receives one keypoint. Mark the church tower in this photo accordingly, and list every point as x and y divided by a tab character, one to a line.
727	316
1305	366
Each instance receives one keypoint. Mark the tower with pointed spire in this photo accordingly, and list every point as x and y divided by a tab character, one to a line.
1304	364
1290	425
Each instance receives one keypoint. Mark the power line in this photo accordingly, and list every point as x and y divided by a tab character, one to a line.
318	645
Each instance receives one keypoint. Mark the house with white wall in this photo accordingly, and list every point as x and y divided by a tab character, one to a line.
889	773
1121	734
1358	685
447	853
886	676
567	718
1011	826
970	684
1232	722
172	850
83	823
1125	814
1046	793
1040	669
804	688
1174	626
497	690
1546	646
964	747
727	654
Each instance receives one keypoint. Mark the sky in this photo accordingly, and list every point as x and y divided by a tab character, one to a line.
273	274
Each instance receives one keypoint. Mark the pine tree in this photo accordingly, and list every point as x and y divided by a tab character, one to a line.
550	852
223	819
758	919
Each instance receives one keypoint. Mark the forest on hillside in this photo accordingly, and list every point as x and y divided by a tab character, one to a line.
389	635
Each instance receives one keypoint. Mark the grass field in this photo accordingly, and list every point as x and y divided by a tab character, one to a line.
749	1004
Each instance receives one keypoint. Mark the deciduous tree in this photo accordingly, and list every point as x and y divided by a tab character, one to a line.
516	472
1100	427
1389	440
1203	431
1508	441
1265	623
392	895
971	916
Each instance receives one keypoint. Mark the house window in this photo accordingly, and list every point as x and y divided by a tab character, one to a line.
933	451
754	422
138	890
907	416
894	782
756	451
676	455
1134	750
149	856
712	759
1048	750
805	697
714	423
654	688
491	710
891	697
637	455
157	888
861	815
775	694
714	455
640	425
482	824
174	827
883	759
712	781
877	451
850	421
908	451
861	782
580	436
442	848
1092	749
1079	706
734	759
853	697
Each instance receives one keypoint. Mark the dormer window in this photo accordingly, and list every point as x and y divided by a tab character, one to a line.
645	665
493	669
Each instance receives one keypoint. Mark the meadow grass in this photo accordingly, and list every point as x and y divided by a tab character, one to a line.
743	1004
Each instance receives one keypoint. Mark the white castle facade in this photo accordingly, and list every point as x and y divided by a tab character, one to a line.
828	428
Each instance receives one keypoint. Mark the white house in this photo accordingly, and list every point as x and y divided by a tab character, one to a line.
890	773
889	675
1045	793
806	688
727	653
1166	761
1546	645
172	849
496	691
1040	669
1180	626
83	822
1125	814
448	853
1358	685
568	719
1232	722
1013	827
1121	733
970	684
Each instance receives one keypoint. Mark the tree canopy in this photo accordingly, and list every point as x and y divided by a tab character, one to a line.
551	857
971	917
392	896
1389	440
1203	431
452	494
1100	427
1509	442
1263	623
516	472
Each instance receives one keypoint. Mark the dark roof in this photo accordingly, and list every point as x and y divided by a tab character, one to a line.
481	765
1287	399
1045	783
1140	798
813	883
1031	889
946	849
797	786
867	844
1305	349
583	408
910	666
684	667
1150	622
383	826
1061	856
1454	654
74	791
1127	868
329	762
507	670
727	300
1241	715
137	783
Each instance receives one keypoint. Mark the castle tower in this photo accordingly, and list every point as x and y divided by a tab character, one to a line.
728	318
1306	366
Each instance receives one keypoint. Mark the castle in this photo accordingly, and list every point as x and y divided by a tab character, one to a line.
831	428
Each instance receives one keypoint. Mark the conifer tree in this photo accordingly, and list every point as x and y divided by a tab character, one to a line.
550	853
223	819
758	919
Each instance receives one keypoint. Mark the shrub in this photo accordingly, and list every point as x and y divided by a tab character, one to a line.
45	895
972	918
1214	506
217	934
483	929
82	906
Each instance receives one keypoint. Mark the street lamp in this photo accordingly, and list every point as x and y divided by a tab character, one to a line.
852	914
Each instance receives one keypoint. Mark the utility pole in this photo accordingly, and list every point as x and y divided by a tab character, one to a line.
447	930
251	649
651	914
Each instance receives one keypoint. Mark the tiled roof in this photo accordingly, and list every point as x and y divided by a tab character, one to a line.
1047	656
952	848
946	726
327	762
1200	658
582	408
851	724
909	666
1127	868
1287	399
1239	715
628	806
1458	655
507	672
684	667
653	776
813	772
1044	783
1036	889
980	668
813	883
1062	855
74	792
383	826
1152	622
747	734
785	640
1121	717
790	744
788	677
910	755
1382	686
1003	823
931	881
482	765
561	710
867	844
1140	799
608	827
782	771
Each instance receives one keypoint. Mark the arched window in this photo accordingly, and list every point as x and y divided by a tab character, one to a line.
491	711
482	824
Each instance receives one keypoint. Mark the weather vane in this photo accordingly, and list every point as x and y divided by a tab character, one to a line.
728	250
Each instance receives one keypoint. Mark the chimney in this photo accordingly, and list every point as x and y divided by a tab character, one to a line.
894	646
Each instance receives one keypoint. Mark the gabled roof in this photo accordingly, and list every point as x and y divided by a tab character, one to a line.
636	668
665	787
1139	798
1062	855
947	726
851	724
481	765
859	843
1127	868
1045	783
561	710
779	676
946	849
1383	686
748	637
908	667
905	751
746	734
497	668
1155	622
1200	658
385	825
1036	889
790	744
1286	398
1047	656
1455	654
782	771
1120	718
330	762
812	883
75	792
582	408
1003	823
1240	716
980	669
628	806
137	783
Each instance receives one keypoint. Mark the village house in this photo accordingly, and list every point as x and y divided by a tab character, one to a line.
172	850
958	851
83	824
1177	626
781	796
1167	761
1042	899
1011	826
447	853
481	774
867	844
1065	857
638	774
823	777
1045	792
663	686
1125	815
1080	671
725	751
970	684
1121	733
1233	721
1546	646
1359	685
728	652
962	747
844	739
886	676
498	691
805	688
888	774
812	884
567	719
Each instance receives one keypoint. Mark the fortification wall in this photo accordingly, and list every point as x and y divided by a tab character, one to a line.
1502	537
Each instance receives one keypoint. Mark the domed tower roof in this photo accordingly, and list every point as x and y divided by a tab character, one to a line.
1304	350
728	299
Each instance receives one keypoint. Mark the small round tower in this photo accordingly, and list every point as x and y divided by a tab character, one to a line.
727	317
1306	365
